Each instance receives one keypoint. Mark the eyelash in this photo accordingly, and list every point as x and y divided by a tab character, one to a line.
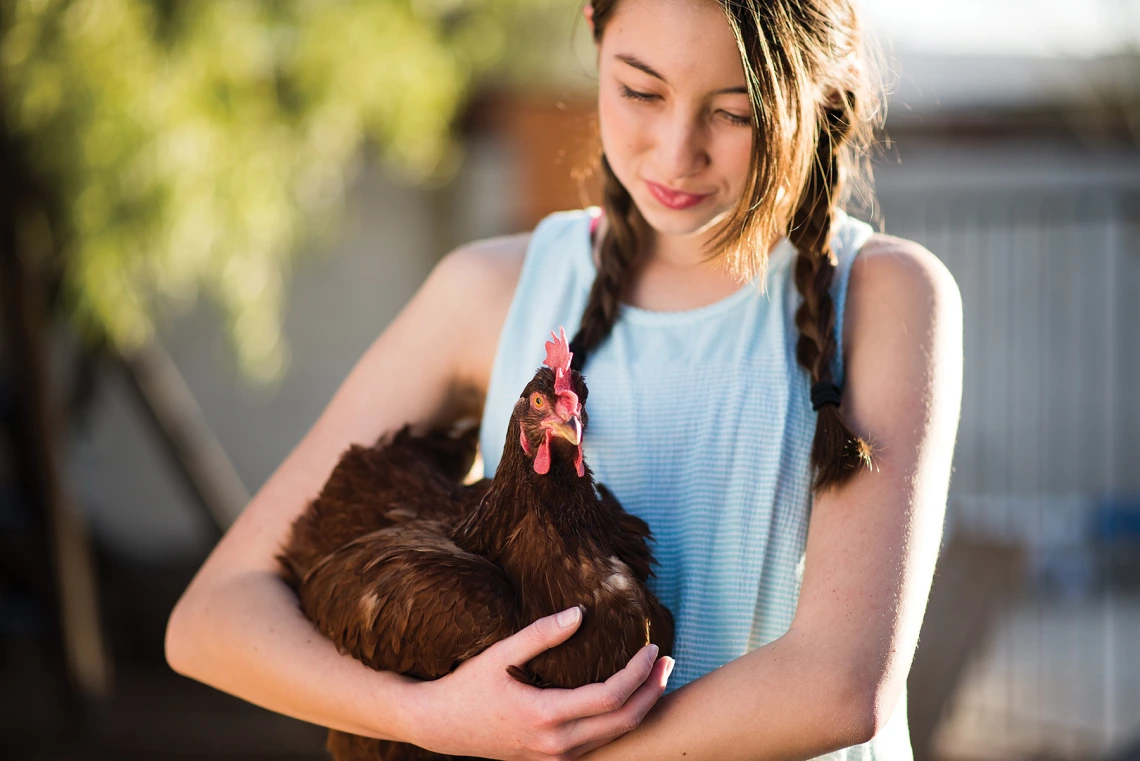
634	95
642	97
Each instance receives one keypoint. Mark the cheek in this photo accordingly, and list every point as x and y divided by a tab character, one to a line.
623	130
734	155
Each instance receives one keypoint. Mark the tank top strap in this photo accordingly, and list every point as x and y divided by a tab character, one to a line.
848	236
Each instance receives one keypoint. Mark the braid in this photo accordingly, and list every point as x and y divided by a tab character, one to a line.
616	254
837	453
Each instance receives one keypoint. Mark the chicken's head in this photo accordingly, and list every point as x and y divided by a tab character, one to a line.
550	411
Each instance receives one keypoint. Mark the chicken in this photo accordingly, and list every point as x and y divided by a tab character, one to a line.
408	569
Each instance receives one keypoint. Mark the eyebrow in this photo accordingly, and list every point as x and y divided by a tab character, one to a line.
640	65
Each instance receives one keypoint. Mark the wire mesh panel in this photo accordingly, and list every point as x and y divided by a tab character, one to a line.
1048	450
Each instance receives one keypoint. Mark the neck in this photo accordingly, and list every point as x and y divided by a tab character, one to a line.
530	524
675	279
684	253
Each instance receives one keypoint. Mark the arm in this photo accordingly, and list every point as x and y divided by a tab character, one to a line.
834	679
238	626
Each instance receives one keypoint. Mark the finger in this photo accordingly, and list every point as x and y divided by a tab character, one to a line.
607	696
589	733
540	636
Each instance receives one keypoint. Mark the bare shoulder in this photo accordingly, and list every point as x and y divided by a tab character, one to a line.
481	276
897	281
886	260
902	337
490	263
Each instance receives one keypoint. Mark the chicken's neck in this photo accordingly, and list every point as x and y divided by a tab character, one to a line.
539	527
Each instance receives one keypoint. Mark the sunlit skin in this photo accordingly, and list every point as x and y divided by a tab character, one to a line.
834	679
673	110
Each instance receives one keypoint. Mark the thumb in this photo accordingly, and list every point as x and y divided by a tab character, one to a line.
540	636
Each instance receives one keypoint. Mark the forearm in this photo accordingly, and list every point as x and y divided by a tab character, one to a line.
780	701
247	636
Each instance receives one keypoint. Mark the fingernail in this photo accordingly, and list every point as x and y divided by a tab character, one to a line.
653	651
669	664
569	617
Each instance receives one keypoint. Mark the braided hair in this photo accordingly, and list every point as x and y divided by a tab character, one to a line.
836	451
815	110
615	266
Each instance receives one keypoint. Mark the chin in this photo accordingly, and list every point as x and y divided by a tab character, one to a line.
695	221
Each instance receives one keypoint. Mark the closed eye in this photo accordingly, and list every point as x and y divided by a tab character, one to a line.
635	95
644	97
740	121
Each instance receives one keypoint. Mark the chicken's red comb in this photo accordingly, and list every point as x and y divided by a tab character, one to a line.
558	358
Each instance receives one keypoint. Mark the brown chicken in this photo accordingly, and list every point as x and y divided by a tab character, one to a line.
409	570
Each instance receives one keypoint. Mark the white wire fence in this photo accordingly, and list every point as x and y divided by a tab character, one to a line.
1046	254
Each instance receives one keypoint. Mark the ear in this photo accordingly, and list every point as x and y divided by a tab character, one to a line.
588	12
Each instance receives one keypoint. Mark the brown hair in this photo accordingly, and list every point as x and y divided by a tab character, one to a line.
815	108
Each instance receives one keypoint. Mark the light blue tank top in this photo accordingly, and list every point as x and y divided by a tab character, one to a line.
700	422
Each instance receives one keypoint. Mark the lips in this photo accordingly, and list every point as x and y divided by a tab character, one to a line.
674	199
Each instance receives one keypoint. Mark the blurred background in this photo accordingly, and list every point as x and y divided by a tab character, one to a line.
210	210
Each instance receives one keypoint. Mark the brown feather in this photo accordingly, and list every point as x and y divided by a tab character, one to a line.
407	569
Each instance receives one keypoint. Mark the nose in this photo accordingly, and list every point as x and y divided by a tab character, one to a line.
681	145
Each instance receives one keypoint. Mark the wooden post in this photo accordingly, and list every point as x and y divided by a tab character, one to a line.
192	447
71	595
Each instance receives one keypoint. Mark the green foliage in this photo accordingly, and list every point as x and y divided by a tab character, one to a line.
194	144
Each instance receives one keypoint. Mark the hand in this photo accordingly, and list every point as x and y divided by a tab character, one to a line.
480	710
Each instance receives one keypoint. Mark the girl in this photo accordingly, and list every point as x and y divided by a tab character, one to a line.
773	387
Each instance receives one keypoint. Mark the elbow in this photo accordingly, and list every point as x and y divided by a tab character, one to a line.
174	643
863	720
179	639
865	707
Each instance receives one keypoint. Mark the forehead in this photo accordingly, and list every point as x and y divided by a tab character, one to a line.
689	42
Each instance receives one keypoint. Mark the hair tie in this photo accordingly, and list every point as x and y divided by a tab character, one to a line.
824	393
578	355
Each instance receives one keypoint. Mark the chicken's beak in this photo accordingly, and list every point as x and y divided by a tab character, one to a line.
571	430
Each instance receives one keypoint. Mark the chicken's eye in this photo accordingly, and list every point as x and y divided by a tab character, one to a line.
537	401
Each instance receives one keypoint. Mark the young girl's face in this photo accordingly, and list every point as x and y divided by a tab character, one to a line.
676	124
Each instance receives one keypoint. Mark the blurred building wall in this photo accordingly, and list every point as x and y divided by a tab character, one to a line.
339	302
1043	239
1042	233
1044	242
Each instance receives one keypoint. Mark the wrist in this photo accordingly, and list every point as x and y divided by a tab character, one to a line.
401	701
381	709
